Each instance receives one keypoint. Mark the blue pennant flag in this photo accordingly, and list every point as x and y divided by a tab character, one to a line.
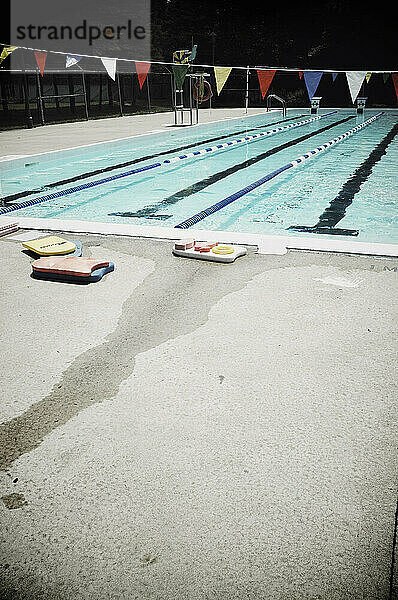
312	79
72	59
334	75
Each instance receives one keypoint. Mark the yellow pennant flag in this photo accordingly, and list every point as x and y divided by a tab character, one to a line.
221	74
6	51
368	77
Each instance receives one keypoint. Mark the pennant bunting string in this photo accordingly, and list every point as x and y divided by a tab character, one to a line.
6	52
265	78
72	59
110	66
179	72
355	80
142	69
221	74
41	58
312	79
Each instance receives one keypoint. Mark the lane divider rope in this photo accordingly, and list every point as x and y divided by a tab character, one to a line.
294	163
86	186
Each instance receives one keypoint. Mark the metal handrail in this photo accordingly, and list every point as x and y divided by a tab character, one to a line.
281	100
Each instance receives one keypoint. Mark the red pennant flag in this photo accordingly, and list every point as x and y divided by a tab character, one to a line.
395	81
300	74
142	69
41	60
265	78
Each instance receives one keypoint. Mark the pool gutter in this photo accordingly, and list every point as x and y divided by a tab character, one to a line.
266	244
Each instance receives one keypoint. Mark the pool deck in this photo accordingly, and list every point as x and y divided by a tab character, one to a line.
185	430
190	430
15	143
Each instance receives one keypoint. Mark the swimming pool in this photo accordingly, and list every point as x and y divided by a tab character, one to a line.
348	190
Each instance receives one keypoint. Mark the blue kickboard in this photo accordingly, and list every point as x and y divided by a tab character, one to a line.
96	275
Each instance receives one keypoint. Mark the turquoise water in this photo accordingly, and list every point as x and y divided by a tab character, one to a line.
169	194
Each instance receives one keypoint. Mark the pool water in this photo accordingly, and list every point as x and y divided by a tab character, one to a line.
171	193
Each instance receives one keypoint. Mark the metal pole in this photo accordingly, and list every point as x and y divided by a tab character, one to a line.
56	92
172	90
100	90
84	93
149	94
28	114
119	94
247	90
39	97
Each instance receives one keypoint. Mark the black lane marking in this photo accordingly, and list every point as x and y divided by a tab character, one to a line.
49	186
149	211
338	206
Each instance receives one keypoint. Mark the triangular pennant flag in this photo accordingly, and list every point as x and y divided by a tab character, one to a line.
110	66
368	76
395	81
385	77
265	78
72	59
179	72
300	74
312	79
192	56
6	51
41	60
355	80
142	69
221	74
334	75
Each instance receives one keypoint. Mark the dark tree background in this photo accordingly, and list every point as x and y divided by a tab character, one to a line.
335	34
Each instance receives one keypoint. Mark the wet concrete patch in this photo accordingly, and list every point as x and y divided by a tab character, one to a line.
174	300
13	501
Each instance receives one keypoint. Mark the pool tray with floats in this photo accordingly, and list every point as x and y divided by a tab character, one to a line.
213	251
72	269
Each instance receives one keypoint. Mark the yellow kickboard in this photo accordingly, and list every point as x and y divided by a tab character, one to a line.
49	246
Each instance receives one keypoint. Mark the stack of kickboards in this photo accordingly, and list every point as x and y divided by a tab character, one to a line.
213	251
58	259
8	228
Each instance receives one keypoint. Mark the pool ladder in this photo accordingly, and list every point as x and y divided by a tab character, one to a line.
281	100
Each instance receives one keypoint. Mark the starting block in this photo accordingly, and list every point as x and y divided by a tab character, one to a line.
212	251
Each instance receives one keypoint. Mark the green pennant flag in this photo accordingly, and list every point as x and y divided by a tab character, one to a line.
385	77
179	72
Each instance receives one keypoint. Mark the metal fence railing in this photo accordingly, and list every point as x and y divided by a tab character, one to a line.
27	99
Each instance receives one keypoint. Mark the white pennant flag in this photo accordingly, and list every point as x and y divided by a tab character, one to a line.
110	66
355	80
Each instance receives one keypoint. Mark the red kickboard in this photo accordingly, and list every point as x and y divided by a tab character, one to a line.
68	265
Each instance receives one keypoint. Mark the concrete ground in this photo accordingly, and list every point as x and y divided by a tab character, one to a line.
21	142
183	430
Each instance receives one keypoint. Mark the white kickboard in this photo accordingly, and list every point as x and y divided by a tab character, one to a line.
224	253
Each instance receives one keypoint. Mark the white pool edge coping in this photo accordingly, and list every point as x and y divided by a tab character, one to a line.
266	244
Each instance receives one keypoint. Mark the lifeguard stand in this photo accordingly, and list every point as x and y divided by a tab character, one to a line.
183	57
192	110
